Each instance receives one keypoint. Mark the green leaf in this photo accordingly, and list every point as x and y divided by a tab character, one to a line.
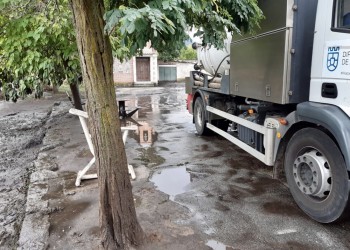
166	5
131	28
35	46
112	18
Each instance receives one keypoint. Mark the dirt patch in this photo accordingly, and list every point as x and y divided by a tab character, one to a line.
23	134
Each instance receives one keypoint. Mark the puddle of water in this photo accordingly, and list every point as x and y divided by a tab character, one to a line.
216	245
145	135
172	181
142	132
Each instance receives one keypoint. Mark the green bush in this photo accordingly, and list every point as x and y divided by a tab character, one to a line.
188	53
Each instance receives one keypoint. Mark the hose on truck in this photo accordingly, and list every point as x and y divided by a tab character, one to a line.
216	71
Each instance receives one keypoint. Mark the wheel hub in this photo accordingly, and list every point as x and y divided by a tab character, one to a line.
312	174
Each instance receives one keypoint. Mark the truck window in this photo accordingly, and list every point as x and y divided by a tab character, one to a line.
341	15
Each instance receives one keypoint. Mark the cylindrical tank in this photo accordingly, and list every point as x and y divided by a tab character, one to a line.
209	58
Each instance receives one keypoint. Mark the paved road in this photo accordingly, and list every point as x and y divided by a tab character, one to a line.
191	192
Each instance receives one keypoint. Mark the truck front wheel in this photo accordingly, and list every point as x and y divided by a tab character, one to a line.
317	176
199	117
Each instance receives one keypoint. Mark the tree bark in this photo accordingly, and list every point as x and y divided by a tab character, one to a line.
74	88
118	221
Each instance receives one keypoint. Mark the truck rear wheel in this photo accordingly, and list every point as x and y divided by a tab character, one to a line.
317	175
199	117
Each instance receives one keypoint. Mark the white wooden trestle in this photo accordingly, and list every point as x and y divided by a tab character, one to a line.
83	117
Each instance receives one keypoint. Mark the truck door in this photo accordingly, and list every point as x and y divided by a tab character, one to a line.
331	55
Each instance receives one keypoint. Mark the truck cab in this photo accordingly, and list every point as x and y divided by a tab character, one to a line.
330	73
282	95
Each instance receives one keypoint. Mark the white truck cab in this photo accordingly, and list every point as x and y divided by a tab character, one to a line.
330	72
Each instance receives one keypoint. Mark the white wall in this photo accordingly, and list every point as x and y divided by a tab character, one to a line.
184	69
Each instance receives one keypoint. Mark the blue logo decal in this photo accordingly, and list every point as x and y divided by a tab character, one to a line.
333	58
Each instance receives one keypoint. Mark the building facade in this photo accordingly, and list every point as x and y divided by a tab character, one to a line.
139	70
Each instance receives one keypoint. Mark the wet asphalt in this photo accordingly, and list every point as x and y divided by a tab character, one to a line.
191	192
231	196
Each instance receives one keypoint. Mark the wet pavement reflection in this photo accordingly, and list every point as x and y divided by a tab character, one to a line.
161	119
145	135
172	181
142	132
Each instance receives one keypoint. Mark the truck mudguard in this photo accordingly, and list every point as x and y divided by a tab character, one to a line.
207	97
332	118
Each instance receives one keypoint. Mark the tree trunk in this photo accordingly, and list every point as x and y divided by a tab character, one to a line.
74	88
118	221
54	89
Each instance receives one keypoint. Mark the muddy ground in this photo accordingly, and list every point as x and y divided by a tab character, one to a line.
191	192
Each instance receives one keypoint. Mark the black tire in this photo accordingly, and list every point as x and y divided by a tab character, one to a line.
317	176
199	117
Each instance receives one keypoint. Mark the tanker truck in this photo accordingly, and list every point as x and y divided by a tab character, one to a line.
282	94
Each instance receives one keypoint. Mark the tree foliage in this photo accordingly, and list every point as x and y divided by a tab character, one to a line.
37	40
37	46
166	22
188	53
168	56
